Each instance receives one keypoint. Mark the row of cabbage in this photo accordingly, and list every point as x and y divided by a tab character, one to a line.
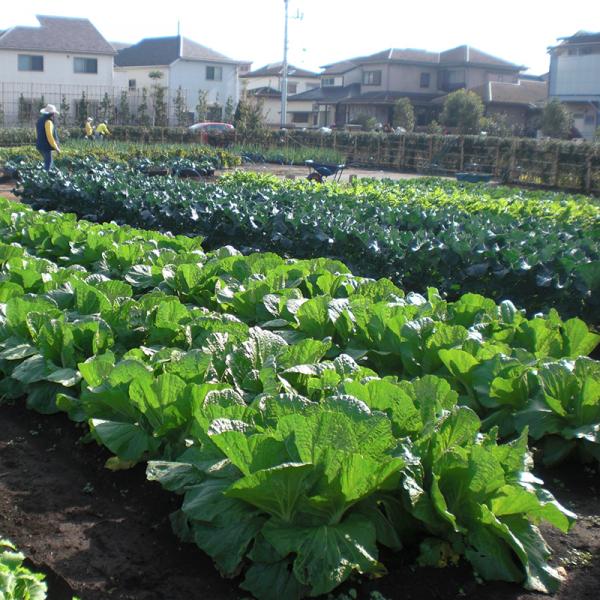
542	250
307	416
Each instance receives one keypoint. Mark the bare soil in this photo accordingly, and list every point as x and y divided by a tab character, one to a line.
301	172
6	191
104	535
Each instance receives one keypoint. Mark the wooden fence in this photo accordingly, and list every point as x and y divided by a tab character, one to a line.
573	166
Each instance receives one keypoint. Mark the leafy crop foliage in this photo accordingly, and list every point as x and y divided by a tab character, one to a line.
17	582
123	153
307	417
541	249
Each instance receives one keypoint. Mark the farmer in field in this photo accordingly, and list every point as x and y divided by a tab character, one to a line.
47	136
102	130
88	129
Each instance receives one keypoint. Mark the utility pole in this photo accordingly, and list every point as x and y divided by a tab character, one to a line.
284	85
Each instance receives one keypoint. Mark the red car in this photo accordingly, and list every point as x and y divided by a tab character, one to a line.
204	129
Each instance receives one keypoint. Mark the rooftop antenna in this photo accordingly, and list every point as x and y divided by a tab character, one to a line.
284	93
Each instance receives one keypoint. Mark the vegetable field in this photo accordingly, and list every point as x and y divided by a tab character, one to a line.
313	423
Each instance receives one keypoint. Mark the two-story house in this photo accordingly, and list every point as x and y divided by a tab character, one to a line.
183	65
575	78
53	63
265	85
370	85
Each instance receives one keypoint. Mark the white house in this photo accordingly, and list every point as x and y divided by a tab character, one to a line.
265	85
183	64
575	79
55	63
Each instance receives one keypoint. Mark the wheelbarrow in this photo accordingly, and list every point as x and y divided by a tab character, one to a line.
319	171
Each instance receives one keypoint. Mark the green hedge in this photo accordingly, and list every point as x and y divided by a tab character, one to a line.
552	163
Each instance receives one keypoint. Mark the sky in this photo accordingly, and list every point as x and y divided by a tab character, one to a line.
331	30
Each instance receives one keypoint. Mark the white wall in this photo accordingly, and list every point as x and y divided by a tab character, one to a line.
577	75
141	75
58	69
304	83
191	76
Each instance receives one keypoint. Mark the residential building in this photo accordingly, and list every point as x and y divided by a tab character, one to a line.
182	66
517	102
265	85
575	78
53	63
370	85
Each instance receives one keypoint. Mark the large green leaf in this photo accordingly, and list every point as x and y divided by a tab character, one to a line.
276	490
128	441
327	555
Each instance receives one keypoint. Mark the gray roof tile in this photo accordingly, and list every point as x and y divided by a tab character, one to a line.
165	50
57	34
276	69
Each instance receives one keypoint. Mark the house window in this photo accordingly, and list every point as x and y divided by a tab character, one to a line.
292	88
425	80
372	78
29	62
85	65
214	73
452	80
132	85
300	117
328	81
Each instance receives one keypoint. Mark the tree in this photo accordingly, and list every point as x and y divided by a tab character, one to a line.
158	99
82	111
160	106
65	108
498	125
41	103
202	106
556	120
181	109
142	111
1	114
249	119
106	107
228	110
24	110
463	110
215	112
124	110
403	114
366	122
123	113
434	128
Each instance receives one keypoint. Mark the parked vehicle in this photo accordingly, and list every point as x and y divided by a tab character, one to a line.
206	129
212	127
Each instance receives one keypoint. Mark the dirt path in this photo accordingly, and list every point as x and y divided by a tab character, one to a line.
99	534
298	172
106	535
6	191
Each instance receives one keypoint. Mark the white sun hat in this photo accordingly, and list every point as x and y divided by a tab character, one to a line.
49	109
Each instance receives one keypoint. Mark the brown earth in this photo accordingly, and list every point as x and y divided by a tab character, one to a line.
105	535
6	191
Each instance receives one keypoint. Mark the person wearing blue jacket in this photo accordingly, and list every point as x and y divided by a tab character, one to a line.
47	136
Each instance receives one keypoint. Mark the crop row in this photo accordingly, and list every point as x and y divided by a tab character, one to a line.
124	153
306	416
491	354
542	251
